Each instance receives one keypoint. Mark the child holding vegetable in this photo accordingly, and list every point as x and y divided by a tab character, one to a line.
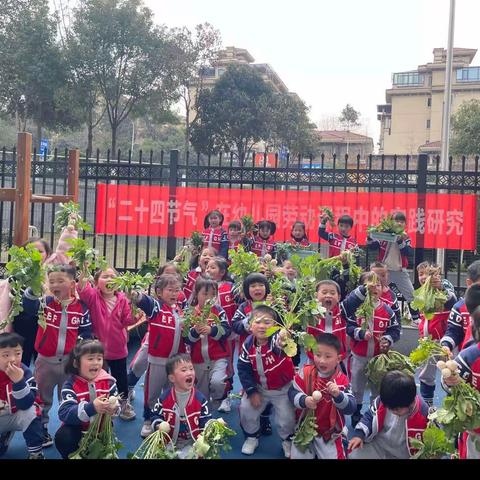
210	349
198	266
265	374
18	411
299	235
262	243
165	338
395	417
88	391
182	405
434	303
214	235
388	296
338	241
372	327
322	390
66	319
111	315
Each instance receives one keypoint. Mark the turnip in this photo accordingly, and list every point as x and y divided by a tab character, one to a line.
446	373
441	364
164	427
113	401
267	257
452	365
317	396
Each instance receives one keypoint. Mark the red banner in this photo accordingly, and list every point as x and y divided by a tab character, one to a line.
444	221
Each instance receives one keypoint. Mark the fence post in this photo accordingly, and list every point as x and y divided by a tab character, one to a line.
172	196
22	194
421	202
73	173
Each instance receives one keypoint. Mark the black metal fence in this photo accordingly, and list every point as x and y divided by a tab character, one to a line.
406	174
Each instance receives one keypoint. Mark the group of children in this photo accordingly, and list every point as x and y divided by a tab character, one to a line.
189	368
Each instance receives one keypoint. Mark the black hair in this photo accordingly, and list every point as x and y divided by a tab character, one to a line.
235	224
206	283
67	269
46	245
165	280
265	309
162	268
222	264
330	340
345	219
397	389
97	274
174	360
206	223
254	278
329	282
83	347
10	340
472	302
267	223
399	217
377	264
302	224
473	271
194	262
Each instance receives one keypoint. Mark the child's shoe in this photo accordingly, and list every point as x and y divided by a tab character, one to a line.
287	448
146	429
249	445
36	456
226	405
127	412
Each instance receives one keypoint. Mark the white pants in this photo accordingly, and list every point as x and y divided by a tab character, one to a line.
212	380
319	448
284	413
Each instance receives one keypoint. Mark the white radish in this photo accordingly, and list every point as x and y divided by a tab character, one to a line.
267	257
164	427
452	365
274	263
446	373
441	364
113	401
317	396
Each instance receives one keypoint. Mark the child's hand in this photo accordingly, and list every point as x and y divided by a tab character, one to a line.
269	298
282	337
203	329
332	389
354	443
436	282
310	403
452	380
14	373
344	257
323	218
384	345
368	335
256	400
101	404
132	296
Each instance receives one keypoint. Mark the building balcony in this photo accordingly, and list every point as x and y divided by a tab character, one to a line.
408	79
468	74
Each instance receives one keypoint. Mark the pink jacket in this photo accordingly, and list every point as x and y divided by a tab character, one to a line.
110	328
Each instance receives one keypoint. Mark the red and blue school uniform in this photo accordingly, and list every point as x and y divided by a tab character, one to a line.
436	327
303	243
261	247
216	238
338	243
189	287
459	327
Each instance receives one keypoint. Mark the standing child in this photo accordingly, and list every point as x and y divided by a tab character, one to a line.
340	241
434	328
388	296
236	236
214	235
336	400
395	417
377	335
84	394
265	374
67	319
210	349
18	410
198	266
165	338
263	242
111	315
182	405
299	235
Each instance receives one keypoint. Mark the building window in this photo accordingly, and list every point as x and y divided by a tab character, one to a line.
408	78
428	123
468	74
429	101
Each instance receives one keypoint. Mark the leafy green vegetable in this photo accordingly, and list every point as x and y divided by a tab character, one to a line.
426	349
387	225
434	444
196	240
242	264
379	365
213	439
306	431
331	219
247	223
24	269
367	308
150	266
427	299
192	318
157	446
69	214
131	282
85	257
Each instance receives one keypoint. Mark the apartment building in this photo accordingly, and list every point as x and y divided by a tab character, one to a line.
411	117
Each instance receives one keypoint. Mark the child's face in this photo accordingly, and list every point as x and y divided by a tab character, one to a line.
298	232
41	248
205	257
377	292
289	270
203	295
183	376
328	296
257	291
382	274
326	359
169	294
402	223
9	355
344	228
233	233
214	220
422	275
402	411
104	280
61	285
264	232
213	271
90	365
259	325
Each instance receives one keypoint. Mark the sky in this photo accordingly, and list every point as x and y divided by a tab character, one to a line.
333	52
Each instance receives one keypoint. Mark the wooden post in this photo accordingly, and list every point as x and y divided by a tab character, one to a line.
22	196
73	173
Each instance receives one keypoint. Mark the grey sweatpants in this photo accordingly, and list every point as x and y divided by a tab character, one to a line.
156	379
402	280
49	372
283	411
428	373
319	448
374	450
139	363
359	379
212	380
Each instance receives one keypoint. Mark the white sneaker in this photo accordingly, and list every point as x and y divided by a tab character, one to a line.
146	429
127	412
249	445
287	448
226	405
